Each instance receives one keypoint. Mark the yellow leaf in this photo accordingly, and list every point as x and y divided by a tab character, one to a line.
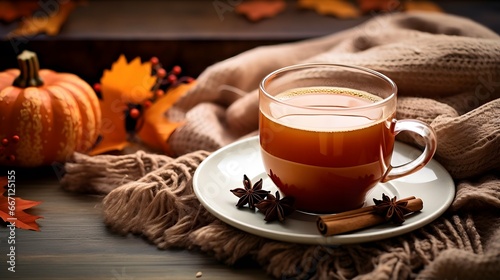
337	8
130	82
126	83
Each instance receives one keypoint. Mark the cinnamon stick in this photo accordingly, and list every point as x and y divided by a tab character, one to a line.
358	219
352	213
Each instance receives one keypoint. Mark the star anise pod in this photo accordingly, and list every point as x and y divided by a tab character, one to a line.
276	208
250	195
391	209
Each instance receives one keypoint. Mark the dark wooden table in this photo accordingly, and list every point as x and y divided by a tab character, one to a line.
74	243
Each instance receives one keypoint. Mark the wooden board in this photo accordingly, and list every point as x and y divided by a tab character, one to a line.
74	243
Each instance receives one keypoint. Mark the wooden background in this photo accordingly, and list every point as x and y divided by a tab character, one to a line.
191	33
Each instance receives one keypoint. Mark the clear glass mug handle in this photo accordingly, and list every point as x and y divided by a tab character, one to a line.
430	140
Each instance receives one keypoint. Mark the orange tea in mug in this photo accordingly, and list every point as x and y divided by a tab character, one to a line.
327	134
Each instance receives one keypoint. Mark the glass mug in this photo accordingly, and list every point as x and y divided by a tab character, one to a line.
327	134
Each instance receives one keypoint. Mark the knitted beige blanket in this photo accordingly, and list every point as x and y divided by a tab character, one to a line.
448	73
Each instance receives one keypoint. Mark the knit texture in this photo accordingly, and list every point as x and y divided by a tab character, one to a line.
447	70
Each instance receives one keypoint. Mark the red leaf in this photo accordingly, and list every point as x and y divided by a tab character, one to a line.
12	210
259	9
13	10
379	5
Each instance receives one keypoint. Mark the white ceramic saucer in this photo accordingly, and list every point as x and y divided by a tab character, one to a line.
223	170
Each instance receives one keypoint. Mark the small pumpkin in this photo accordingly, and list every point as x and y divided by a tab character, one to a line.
45	116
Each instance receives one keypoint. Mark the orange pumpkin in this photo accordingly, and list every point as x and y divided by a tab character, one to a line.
45	116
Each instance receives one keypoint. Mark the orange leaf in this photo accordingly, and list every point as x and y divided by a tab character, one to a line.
50	24
426	6
125	83
157	128
337	8
12	210
259	9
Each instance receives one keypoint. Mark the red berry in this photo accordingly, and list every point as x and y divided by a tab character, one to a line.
147	103
159	92
154	60
12	157
172	78
5	141
97	87
176	70
134	113
15	138
161	73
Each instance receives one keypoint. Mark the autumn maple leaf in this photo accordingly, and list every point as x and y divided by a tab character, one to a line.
157	128
378	5
124	84
12	210
338	8
51	23
129	86
13	10
259	9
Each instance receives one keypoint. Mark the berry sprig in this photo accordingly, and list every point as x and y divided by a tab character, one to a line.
165	80
5	143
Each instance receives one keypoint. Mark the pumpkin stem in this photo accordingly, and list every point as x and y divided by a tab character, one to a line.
29	66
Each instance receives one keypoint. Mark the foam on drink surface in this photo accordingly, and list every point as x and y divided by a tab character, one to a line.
332	109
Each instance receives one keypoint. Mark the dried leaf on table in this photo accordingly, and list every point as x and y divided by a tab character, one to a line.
157	128
126	83
426	6
256	10
13	10
51	24
12	210
337	8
